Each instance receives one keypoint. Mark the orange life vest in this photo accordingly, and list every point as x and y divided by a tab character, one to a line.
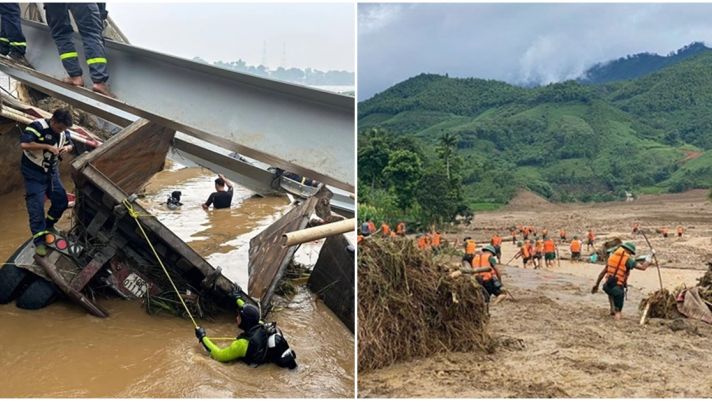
482	260
436	239
470	246
616	265
400	230
385	229
371	227
421	243
525	251
496	240
591	236
549	246
359	238
575	246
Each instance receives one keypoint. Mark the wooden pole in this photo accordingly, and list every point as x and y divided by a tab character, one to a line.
655	258
318	232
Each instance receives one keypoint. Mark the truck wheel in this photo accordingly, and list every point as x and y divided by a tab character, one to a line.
38	295
11	282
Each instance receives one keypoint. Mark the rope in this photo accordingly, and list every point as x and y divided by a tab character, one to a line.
133	213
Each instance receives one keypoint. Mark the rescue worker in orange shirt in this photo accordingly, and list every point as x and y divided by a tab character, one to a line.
435	240
400	229
385	229
491	280
531	248
524	253
537	253
470	248
575	249
590	239
680	230
549	252
496	242
371	227
422	243
618	267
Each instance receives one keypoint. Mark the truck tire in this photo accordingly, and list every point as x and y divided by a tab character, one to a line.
38	294
13	278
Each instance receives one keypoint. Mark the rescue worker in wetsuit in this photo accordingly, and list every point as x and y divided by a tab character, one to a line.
88	17
491	280
43	143
618	267
257	344
12	41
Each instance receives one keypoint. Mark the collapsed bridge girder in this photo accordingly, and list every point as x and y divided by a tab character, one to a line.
288	126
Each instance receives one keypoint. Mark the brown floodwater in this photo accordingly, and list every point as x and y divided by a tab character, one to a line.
60	351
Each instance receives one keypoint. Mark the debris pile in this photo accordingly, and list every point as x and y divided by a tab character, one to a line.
705	286
409	307
662	305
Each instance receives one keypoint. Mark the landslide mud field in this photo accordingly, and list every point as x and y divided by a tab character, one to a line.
555	338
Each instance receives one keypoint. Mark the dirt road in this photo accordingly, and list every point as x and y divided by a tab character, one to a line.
556	339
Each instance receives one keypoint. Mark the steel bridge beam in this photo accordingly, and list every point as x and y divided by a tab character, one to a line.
308	131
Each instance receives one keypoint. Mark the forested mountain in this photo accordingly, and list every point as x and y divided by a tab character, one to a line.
566	141
638	65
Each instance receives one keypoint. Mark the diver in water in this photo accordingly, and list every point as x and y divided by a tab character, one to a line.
173	201
257	344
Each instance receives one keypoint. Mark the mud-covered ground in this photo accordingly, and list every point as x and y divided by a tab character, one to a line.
556	339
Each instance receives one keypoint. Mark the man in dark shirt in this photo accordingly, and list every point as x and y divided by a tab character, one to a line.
221	198
43	143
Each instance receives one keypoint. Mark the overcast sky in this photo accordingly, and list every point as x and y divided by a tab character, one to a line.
516	43
317	35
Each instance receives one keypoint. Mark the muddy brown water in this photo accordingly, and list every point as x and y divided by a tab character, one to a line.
60	351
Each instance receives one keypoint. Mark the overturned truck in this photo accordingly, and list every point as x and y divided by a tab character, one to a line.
116	248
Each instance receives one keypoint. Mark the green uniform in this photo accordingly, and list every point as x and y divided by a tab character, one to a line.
617	292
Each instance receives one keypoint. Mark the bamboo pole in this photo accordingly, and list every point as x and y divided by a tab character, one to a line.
318	232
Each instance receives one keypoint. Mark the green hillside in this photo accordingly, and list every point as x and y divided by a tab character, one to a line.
566	141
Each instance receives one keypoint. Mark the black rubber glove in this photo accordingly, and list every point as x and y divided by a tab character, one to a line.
200	333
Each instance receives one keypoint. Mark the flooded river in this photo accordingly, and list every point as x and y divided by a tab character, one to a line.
61	351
